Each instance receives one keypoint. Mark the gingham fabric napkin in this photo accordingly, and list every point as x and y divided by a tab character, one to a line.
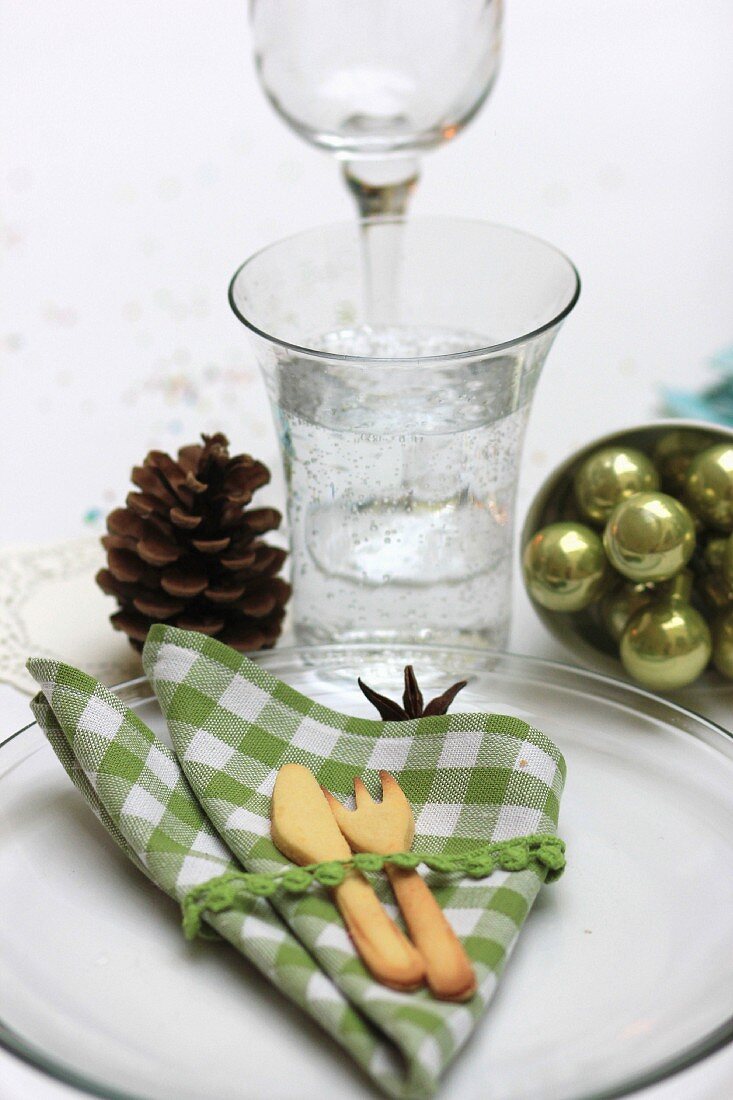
469	777
135	786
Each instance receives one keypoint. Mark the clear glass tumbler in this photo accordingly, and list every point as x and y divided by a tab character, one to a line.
401	423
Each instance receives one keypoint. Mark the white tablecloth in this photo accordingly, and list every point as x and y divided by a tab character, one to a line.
143	165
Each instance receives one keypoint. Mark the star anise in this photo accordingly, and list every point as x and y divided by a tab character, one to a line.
412	700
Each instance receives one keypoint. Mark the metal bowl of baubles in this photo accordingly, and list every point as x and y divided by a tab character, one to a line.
627	554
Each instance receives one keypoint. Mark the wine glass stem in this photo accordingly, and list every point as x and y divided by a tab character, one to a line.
382	189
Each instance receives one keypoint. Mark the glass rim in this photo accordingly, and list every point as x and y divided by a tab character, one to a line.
449	357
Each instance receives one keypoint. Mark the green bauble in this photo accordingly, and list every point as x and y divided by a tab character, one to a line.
723	643
565	568
609	476
666	645
621	604
649	537
714	585
726	562
714	555
709	486
716	592
673	453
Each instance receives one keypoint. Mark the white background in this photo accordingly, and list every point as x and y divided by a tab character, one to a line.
141	164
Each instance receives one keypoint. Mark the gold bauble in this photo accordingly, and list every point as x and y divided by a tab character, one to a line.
565	568
709	486
667	645
673	453
609	476
723	643
621	604
649	537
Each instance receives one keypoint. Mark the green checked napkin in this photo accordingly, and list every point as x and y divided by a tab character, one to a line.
470	778
135	786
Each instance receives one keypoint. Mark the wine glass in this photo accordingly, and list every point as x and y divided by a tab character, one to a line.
376	82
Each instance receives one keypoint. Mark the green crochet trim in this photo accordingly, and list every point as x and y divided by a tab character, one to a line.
231	890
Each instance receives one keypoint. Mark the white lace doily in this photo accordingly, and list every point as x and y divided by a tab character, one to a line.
50	606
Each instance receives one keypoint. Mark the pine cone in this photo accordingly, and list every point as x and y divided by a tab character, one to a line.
186	551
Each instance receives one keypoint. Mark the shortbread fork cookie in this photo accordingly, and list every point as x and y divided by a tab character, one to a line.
304	830
389	826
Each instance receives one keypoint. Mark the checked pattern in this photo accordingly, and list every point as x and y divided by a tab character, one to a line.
135	786
470	779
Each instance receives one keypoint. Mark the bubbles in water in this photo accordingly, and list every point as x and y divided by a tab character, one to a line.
402	481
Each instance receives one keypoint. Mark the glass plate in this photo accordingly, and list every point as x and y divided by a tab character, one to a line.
623	973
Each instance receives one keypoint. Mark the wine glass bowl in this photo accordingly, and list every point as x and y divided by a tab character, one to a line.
376	82
379	77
